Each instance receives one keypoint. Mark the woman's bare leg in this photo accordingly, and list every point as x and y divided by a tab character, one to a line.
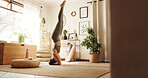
57	57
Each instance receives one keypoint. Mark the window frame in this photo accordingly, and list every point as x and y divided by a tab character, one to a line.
12	2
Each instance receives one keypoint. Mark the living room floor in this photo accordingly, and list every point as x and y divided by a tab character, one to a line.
17	75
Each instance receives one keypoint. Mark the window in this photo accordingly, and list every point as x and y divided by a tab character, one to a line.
9	18
28	20
11	5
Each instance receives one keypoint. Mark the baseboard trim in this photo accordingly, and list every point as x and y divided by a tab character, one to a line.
63	59
104	62
86	60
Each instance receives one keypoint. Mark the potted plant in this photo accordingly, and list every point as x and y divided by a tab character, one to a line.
21	35
64	32
92	43
42	25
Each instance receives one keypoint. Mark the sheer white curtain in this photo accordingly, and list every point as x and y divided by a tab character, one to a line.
31	20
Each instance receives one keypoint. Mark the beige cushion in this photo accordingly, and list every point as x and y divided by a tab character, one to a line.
25	63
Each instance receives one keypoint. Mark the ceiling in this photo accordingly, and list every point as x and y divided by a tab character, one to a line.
51	3
55	2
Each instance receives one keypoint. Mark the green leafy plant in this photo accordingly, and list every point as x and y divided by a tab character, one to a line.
42	25
64	32
22	35
91	42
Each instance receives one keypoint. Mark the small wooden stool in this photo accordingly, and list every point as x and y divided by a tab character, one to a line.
25	63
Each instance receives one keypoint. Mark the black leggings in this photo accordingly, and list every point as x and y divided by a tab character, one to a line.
58	30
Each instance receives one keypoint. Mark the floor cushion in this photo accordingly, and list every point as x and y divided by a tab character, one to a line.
25	63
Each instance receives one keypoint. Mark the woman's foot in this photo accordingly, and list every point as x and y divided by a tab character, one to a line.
62	5
55	64
52	61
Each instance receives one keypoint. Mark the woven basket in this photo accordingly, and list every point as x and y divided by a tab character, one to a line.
94	58
25	63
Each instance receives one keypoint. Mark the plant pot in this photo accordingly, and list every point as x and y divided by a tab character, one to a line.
94	58
21	38
65	37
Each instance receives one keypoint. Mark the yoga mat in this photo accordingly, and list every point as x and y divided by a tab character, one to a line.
70	46
71	54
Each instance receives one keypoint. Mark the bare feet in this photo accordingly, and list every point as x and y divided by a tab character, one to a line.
62	5
57	57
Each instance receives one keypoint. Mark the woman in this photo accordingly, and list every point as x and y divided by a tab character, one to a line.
56	38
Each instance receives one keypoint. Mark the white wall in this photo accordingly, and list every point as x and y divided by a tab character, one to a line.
72	22
44	43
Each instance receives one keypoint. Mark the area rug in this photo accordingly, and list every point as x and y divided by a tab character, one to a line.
66	70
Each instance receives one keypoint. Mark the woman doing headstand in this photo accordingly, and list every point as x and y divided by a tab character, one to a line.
56	38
